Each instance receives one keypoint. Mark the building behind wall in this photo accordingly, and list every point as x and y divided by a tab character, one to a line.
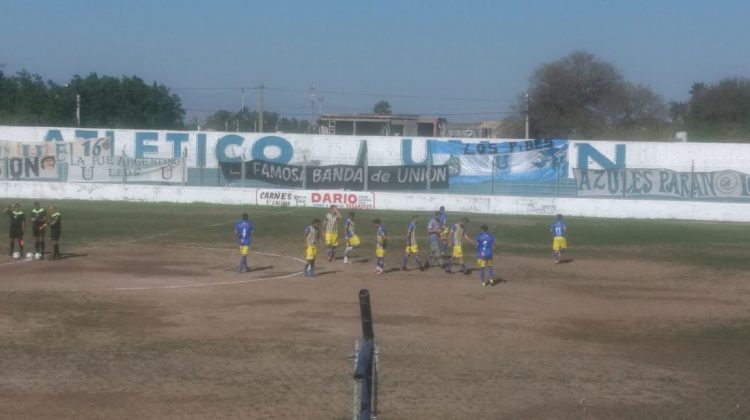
383	125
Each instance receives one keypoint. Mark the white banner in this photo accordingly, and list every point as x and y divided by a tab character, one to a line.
28	161
125	169
307	198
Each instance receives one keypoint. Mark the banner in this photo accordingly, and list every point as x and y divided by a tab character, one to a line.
348	177
28	161
117	169
662	183
324	199
531	160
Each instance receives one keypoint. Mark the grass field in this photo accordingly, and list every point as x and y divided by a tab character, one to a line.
147	318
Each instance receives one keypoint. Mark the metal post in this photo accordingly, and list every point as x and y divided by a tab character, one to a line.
124	167
260	107
356	392
366	175
692	180
242	170
78	109
184	167
494	165
304	175
557	178
527	115
624	182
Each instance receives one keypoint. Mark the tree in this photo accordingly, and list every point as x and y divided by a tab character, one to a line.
246	121
105	102
720	111
382	108
581	96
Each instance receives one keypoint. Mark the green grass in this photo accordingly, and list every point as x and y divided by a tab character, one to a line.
715	245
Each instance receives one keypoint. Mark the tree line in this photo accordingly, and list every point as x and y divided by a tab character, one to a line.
577	96
582	97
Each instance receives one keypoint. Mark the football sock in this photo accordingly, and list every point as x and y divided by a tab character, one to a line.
481	274
41	246
12	246
36	246
450	266
56	250
463	267
419	261
492	273
406	260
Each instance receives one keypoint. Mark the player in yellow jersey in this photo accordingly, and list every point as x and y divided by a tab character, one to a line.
381	242
457	237
352	239
312	234
331	227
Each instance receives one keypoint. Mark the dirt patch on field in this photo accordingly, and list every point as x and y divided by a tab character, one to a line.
175	332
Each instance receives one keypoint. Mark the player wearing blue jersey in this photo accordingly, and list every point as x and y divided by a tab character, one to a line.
485	244
352	239
381	242
312	236
243	230
411	246
559	230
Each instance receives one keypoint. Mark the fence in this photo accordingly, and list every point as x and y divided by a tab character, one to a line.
537	168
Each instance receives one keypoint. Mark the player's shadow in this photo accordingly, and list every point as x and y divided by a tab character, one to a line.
325	273
254	269
391	270
70	255
566	261
497	281
362	261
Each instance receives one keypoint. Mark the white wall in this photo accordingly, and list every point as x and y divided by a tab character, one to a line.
643	209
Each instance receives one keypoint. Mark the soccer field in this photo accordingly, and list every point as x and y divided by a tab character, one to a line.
146	317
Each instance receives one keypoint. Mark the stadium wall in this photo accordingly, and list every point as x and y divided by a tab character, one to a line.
587	207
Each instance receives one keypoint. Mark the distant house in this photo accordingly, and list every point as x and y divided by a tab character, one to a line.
483	129
383	125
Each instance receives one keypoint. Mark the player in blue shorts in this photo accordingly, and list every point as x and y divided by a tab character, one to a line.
352	239
485	243
243	229
559	230
411	246
312	236
381	243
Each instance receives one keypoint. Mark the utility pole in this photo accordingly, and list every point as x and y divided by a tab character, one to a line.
260	107
243	101
527	115
78	109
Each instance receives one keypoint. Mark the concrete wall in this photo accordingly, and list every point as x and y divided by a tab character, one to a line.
644	209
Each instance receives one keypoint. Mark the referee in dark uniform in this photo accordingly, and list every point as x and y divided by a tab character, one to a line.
38	219
54	222
17	226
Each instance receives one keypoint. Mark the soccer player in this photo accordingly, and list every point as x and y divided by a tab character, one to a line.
38	219
312	234
243	230
559	230
54	222
332	231
445	232
457	237
17	227
352	239
381	242
485	244
411	246
434	229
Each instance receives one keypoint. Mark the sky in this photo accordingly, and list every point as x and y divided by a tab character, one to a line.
464	60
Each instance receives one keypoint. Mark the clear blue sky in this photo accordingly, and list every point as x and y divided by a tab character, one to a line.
467	60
